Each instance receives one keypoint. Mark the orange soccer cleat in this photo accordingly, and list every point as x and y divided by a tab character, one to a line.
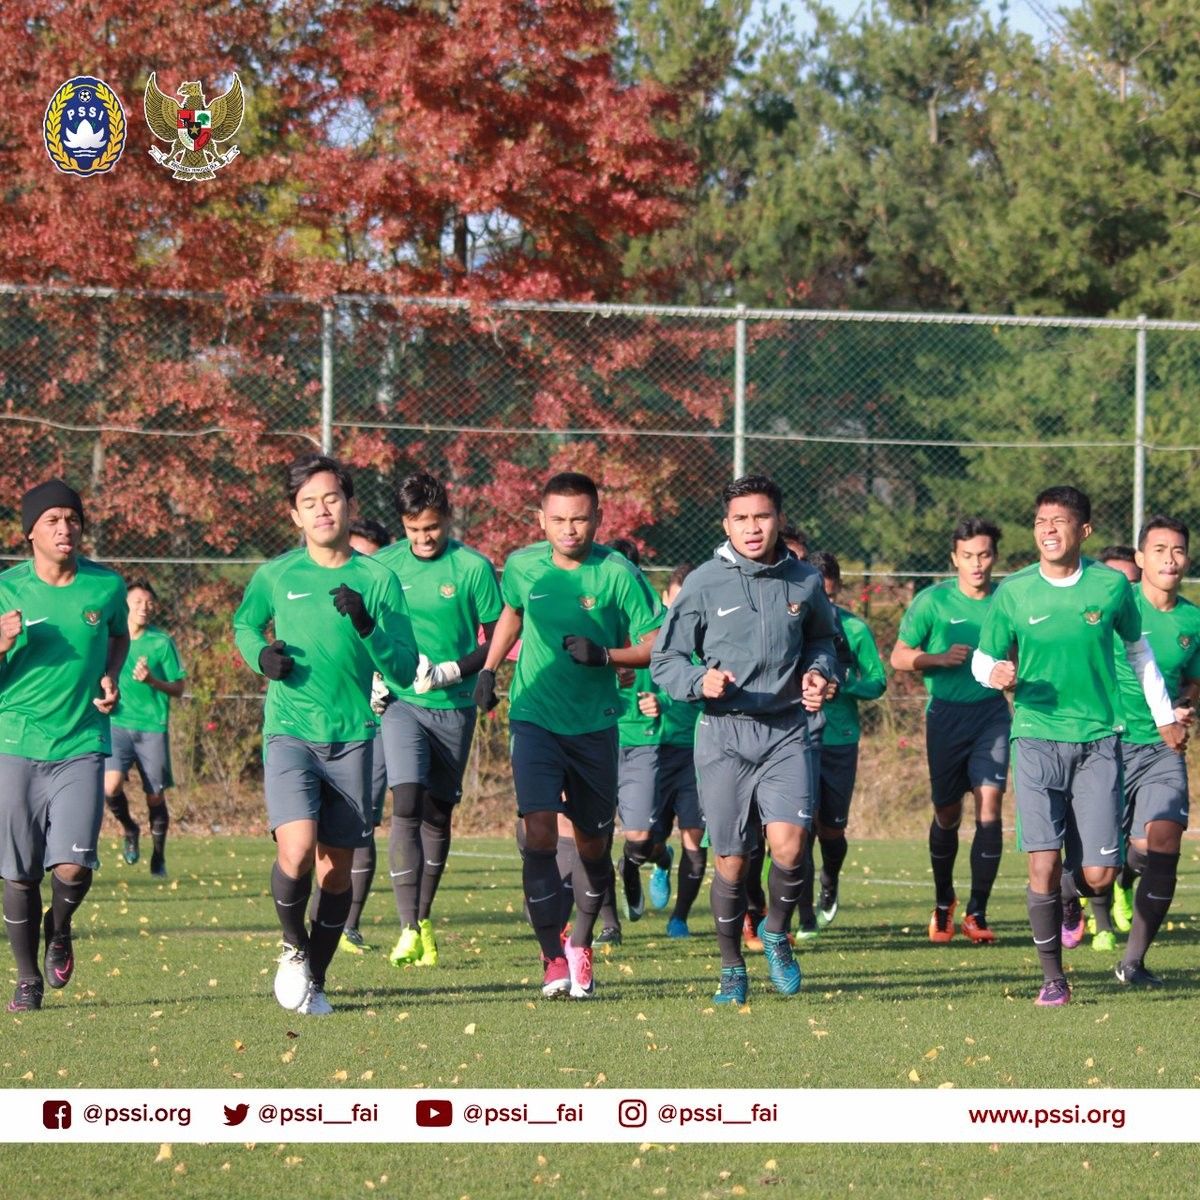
975	927
941	923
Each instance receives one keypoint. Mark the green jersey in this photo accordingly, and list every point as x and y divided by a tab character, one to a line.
1064	637
142	707
606	599
675	724
448	598
1174	636
326	695
52	674
940	617
864	679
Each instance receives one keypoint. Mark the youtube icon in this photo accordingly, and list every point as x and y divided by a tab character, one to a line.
435	1114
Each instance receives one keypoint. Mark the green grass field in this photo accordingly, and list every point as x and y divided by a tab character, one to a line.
173	989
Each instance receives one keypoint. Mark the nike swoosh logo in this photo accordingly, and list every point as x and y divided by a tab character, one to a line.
82	849
1039	620
36	621
1151	896
1044	941
298	595
594	895
724	612
397	874
982	855
538	595
542	899
407	587
287	904
727	920
1108	849
957	620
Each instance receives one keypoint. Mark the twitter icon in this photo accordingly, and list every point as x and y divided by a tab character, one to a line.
237	1114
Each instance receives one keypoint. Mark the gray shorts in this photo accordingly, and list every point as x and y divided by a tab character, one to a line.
429	746
743	761
1156	786
638	798
967	747
583	766
326	782
1069	795
150	752
50	813
677	786
838	771
379	784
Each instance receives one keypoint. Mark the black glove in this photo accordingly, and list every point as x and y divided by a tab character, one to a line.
274	661
585	652
485	691
350	604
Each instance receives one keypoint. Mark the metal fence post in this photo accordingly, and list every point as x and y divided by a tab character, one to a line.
327	379
739	394
1139	431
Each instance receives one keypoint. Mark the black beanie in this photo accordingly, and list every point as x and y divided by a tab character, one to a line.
51	494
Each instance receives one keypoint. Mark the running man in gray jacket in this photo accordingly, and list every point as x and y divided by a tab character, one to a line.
759	623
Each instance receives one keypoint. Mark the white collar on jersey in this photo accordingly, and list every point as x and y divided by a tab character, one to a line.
1070	580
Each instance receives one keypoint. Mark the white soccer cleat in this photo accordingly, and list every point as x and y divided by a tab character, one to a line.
293	978
314	1003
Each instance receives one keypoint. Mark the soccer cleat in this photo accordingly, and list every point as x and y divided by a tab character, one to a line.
975	927
557	979
408	948
1104	941
158	864
827	909
130	851
782	966
292	977
677	927
314	1003
27	997
59	961
1122	908
750	938
941	923
1054	994
809	929
660	882
633	900
352	941
734	986
610	935
1073	924
579	963
1136	975
429	946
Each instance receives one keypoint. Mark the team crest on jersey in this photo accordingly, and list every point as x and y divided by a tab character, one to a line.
1185	640
587	603
1093	616
447	590
84	127
91	616
794	607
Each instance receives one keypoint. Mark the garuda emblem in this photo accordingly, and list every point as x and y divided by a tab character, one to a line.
194	129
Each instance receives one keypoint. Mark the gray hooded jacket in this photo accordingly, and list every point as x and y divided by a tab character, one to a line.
765	623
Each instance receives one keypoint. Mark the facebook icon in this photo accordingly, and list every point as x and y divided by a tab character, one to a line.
56	1114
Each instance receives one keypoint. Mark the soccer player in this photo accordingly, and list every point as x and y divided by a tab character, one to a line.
1156	782
967	725
367	537
1064	614
150	679
338	616
860	677
582	611
63	639
758	622
1123	559
427	730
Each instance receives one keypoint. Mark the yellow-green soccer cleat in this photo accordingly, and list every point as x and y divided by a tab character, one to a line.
429	955
407	949
1122	908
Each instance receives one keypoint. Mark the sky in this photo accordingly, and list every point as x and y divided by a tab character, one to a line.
1025	15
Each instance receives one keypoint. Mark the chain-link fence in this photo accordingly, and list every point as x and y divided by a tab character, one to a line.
173	413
